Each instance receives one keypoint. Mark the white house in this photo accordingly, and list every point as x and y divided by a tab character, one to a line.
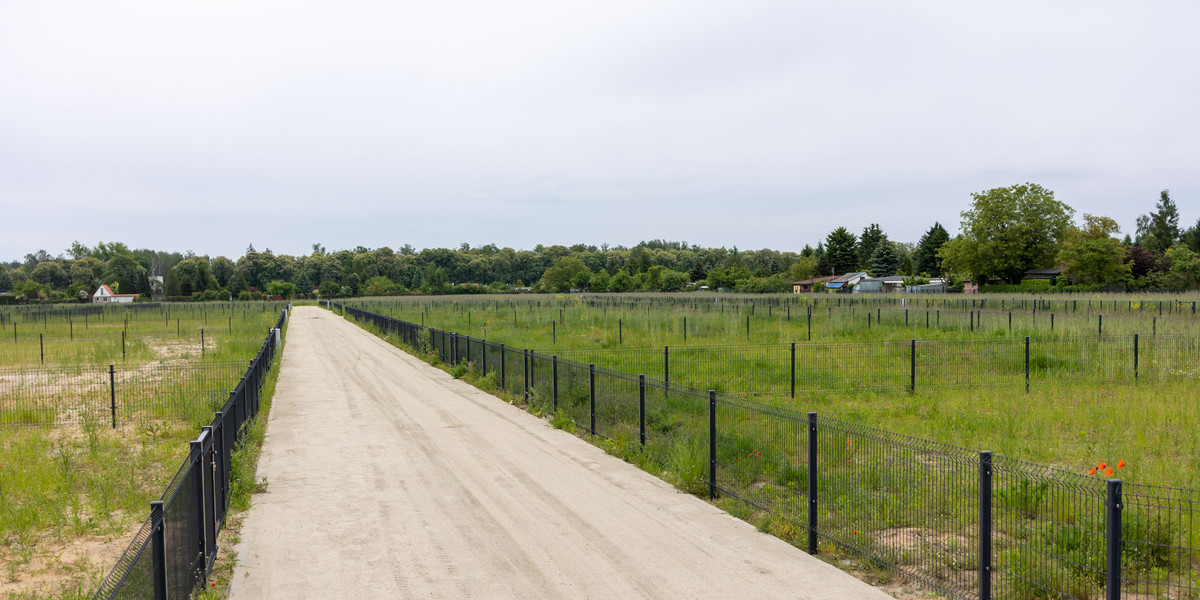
105	294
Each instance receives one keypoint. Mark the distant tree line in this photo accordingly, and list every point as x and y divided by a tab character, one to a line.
1005	233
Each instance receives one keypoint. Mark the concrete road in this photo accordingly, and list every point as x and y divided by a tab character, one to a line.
389	479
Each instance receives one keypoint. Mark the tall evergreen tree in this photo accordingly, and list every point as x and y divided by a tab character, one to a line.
872	237
885	260
1191	237
1157	231
927	259
841	251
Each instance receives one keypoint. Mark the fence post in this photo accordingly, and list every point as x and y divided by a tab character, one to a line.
1099	325
812	483
592	397
985	525
712	444
207	474
42	348
483	359
912	369
1135	357
666	367
197	475
112	393
503	370
158	550
554	376
793	370
810	324
525	372
642	409
1026	364
1112	580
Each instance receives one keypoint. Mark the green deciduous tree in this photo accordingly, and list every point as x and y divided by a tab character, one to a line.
50	274
1160	229
560	275
1184	272
1008	231
380	286
1090	254
841	251
804	268
222	270
673	281
129	276
621	282
285	289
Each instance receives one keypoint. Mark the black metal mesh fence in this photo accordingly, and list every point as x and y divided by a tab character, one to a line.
1160	542
75	395
965	523
194	503
904	503
1049	529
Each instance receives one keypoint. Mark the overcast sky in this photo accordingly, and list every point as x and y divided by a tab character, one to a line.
208	126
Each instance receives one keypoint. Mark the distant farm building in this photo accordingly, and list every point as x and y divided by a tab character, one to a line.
845	282
811	285
105	294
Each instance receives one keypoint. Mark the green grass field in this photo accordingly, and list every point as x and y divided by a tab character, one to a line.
72	487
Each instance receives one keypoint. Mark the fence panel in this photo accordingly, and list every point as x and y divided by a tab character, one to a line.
907	503
1049	532
1160	540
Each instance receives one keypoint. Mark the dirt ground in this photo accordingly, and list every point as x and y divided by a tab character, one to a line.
386	478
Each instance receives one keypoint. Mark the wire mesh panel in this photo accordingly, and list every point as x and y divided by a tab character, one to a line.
1160	542
961	364
617	407
762	460
878	365
183	532
907	503
54	395
574	393
744	370
186	392
133	576
677	433
1163	358
1048	532
542	371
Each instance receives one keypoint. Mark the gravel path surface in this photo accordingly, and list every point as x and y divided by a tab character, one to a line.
389	479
